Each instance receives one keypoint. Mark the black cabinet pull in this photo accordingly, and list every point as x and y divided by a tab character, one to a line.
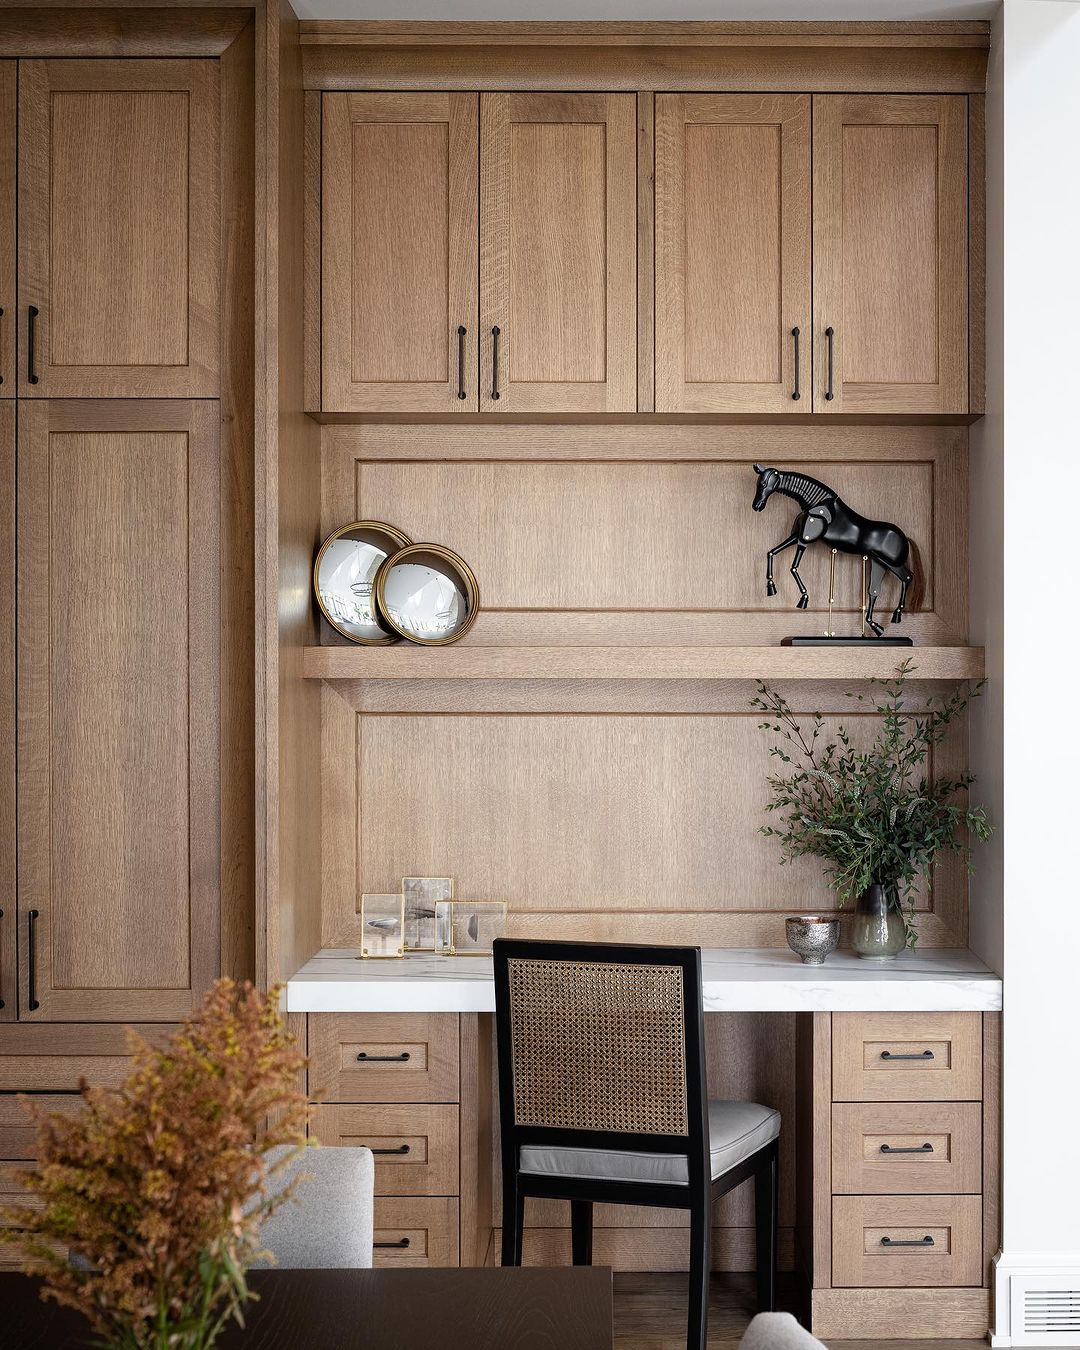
795	393
926	1241
918	1148
400	1243
31	960
495	362
829	334
923	1054
31	326
400	1151
461	360
1	911
364	1058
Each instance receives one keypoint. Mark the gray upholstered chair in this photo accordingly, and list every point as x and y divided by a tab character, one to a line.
327	1224
777	1331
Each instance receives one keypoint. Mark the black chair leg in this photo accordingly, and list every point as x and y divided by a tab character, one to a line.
697	1321
765	1215
513	1227
581	1231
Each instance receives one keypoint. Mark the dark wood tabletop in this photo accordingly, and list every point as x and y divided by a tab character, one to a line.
564	1308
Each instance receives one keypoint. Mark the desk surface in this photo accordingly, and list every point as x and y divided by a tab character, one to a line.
561	1309
735	980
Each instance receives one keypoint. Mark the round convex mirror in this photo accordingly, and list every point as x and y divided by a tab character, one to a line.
427	594
345	578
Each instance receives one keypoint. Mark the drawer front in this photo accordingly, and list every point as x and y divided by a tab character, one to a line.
417	1232
18	1134
383	1057
415	1146
907	1148
912	1057
891	1241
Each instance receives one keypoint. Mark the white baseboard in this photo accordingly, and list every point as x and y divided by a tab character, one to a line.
1036	1299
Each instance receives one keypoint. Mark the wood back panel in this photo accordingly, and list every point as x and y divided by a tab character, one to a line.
8	878
732	252
118	716
118	200
8	169
558	248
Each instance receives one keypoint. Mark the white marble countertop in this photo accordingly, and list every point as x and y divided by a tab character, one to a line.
734	980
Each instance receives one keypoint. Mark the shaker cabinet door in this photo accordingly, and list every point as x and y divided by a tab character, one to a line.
9	104
399	252
118	229
890	254
558	253
8	918
733	326
118	738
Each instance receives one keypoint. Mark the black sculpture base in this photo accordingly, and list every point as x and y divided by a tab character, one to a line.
846	642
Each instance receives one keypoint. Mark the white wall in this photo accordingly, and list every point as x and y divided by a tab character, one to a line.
1040	335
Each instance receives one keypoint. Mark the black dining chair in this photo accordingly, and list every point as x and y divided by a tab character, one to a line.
602	1099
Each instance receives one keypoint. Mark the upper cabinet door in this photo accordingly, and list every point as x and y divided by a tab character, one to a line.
558	241
733	253
118	726
399	258
118	229
890	254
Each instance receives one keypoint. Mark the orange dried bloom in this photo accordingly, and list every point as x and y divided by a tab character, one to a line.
160	1186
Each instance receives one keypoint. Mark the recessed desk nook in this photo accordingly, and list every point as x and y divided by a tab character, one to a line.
658	346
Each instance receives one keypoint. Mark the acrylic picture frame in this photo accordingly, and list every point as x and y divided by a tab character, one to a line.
468	927
382	927
421	895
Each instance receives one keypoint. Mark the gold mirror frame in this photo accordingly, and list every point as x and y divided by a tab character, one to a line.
393	536
465	577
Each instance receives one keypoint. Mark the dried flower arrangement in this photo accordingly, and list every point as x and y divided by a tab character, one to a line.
159	1188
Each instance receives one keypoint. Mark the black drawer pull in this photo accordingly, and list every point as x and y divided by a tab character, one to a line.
923	1054
31	323
795	393
398	1245
364	1058
918	1148
461	360
926	1241
401	1150
31	963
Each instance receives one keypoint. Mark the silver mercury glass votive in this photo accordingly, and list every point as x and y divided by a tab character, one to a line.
812	937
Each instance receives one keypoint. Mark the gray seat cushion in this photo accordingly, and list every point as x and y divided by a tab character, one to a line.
327	1223
736	1130
778	1331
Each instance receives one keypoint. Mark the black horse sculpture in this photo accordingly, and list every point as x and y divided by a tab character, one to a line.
826	518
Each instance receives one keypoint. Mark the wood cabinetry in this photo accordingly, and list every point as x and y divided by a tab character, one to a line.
479	252
8	170
890	253
118	229
558	240
117	708
399	267
733	316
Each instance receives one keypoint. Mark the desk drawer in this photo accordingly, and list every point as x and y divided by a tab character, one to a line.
906	1148
895	1241
415	1147
913	1057
383	1057
412	1232
18	1134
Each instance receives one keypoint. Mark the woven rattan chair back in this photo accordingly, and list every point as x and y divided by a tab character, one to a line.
598	1045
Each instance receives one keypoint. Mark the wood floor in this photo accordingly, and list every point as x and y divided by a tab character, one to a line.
650	1314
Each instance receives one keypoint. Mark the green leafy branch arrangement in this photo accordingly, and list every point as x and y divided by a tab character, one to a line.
871	815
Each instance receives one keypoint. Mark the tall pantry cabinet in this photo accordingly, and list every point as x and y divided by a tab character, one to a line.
113	582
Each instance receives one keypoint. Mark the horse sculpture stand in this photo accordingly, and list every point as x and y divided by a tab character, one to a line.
825	518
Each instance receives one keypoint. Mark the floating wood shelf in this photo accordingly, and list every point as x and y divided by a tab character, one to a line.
471	662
